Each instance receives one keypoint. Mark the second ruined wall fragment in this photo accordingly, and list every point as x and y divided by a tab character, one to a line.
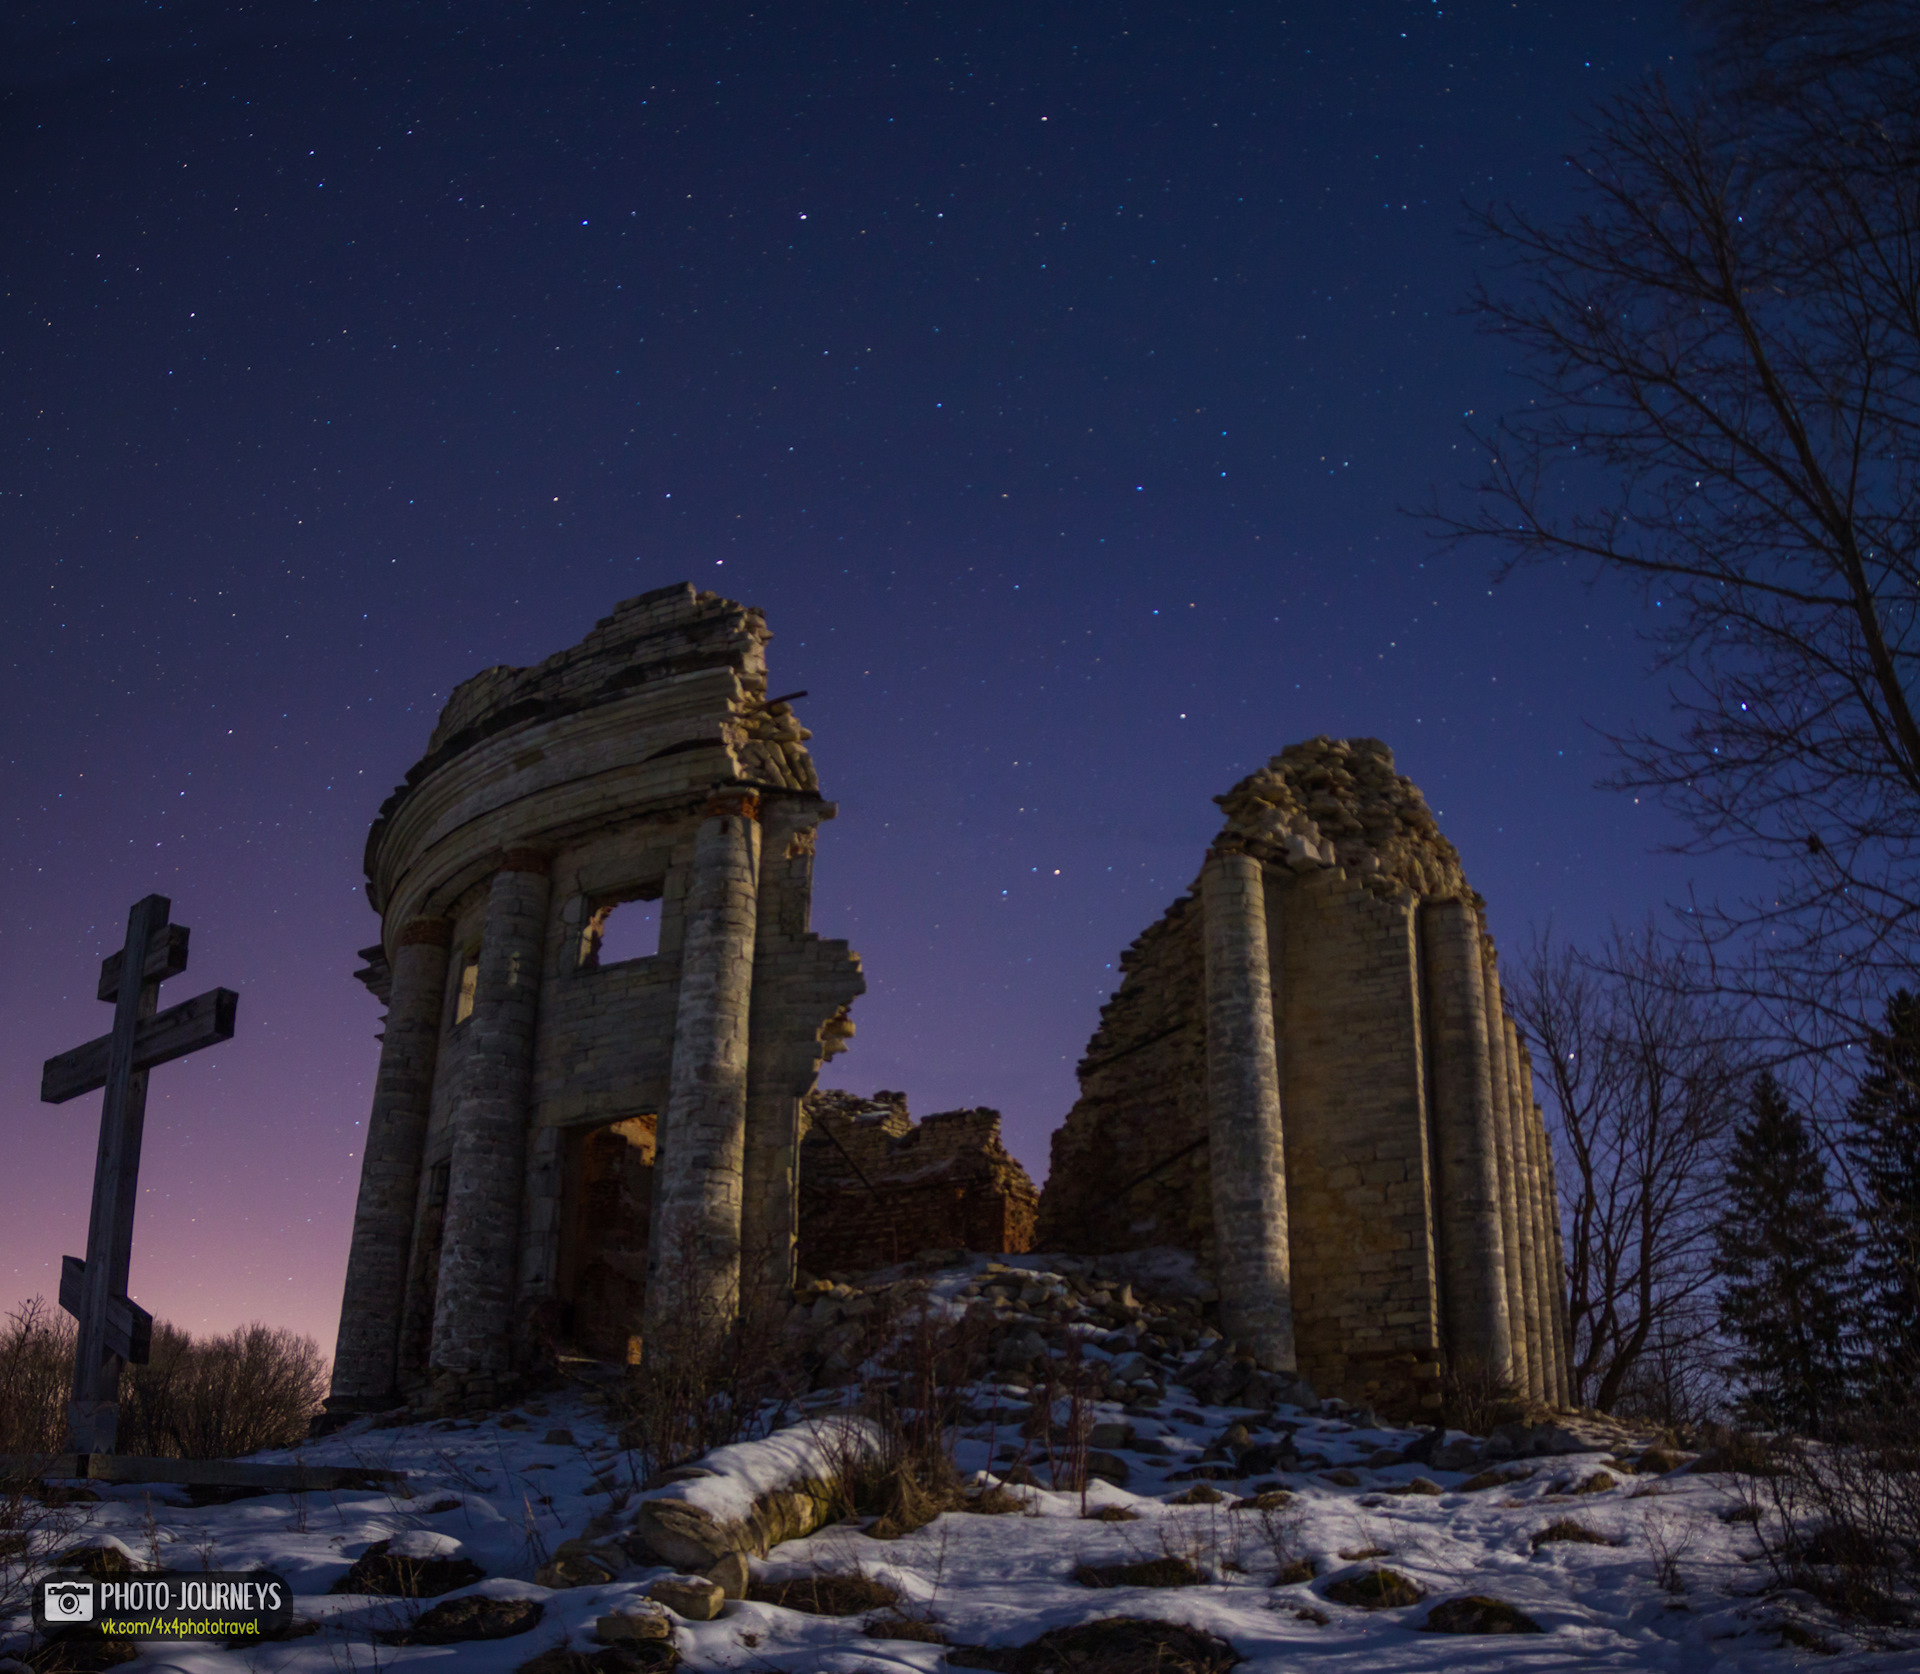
1416	1233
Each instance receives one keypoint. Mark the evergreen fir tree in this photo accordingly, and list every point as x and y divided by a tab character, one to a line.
1786	1255
1886	1148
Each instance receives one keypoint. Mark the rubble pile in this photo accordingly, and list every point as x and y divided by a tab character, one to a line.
1035	1321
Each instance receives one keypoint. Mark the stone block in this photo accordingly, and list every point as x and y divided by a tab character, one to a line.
695	1597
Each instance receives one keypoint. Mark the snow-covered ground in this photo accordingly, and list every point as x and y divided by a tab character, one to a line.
500	1494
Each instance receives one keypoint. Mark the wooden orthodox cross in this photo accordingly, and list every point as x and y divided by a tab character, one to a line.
113	1331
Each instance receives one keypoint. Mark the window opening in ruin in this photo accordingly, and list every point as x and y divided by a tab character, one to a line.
619	931
469	986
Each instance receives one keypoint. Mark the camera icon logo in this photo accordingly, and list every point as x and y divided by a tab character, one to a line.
68	1601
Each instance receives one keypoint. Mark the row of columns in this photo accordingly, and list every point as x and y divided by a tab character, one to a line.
1498	1243
1499	1238
696	1227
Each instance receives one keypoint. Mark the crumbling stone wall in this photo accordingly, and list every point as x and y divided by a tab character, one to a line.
877	1188
1419	1225
561	1148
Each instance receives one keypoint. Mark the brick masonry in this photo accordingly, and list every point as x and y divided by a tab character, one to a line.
1413	1153
876	1187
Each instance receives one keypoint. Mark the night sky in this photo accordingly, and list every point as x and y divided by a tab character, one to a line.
1056	378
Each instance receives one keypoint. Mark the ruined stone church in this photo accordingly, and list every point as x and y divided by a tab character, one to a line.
1307	1078
561	1147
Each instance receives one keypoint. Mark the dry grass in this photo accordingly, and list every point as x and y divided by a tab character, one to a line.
825	1594
905	1627
1475	1398
995	1501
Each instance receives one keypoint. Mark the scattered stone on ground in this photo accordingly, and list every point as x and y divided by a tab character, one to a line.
1376	1589
582	1563
1150	1572
691	1596
1118	1645
1566	1529
456	1620
388	1574
643	1658
636	1623
1478	1614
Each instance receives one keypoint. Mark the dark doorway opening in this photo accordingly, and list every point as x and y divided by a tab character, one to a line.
603	1247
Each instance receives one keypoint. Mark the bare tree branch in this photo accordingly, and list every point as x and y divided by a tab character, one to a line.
1724	355
1643	1080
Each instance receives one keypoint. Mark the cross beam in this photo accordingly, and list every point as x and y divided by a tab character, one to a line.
115	1331
205	1020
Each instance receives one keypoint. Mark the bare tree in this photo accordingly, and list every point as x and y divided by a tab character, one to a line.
1642	1077
1724	347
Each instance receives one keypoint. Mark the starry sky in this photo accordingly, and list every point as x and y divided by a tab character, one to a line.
1056	378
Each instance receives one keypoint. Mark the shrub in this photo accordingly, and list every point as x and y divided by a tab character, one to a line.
1474	1397
220	1397
1842	1520
36	1377
196	1398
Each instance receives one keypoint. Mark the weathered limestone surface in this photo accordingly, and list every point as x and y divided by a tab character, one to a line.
1471	1230
530	1095
1246	1167
1405	1120
474	1288
877	1188
363	1365
695	1252
1506	1267
1523	1297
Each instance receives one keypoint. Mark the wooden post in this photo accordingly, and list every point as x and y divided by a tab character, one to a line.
113	1331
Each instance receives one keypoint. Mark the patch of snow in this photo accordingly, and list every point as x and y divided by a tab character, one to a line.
498	1495
424	1543
817	1449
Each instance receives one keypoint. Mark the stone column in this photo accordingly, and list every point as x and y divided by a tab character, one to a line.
1247	1157
364	1358
1556	1272
1527	1202
770	1211
693	1258
473	1301
1471	1252
1550	1369
1517	1367
781	1060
